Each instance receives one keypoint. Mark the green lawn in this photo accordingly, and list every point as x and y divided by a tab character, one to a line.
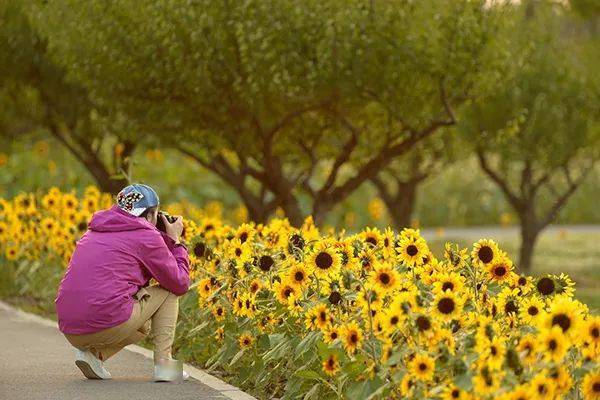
576	254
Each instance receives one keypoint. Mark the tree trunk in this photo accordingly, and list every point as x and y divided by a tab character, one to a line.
529	236
401	210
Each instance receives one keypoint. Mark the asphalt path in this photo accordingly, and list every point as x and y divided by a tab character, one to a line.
37	362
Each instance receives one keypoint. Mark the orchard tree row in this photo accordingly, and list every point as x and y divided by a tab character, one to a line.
297	104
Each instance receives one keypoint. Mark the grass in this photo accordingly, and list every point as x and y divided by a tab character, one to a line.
576	254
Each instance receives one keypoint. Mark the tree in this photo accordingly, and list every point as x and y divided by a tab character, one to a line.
537	135
38	96
294	104
398	184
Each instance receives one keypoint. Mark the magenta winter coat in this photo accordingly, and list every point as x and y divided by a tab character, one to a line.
115	258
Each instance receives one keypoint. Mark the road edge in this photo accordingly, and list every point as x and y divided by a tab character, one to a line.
224	388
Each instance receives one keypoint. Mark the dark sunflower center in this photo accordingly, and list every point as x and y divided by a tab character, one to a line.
446	305
386	242
209	227
287	292
562	320
238	252
522	281
394	320
423	323
511	307
322	316
81	226
199	249
485	254
552	345
324	260
333	335
265	263
353	338
331	362
412	250
595	332
422	367
297	241
493	350
335	297
500	270
299	276
455	394
243	237
371	240
533	310
546	286
447	286
384	278
596	387
219	311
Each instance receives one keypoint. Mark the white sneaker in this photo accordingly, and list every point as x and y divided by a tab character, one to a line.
91	367
169	371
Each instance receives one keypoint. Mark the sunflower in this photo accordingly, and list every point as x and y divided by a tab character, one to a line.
352	337
246	340
509	301
285	292
241	252
447	306
218	311
591	331
552	344
69	203
11	252
453	392
562	379
565	313
422	367
531	310
324	261
331	333
591	386
447	281
494	353
384	277
48	226
371	237
542	387
204	288
485	253
298	274
411	251
501	270
245	233
331	365
392	320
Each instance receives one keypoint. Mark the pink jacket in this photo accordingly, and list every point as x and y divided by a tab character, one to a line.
115	258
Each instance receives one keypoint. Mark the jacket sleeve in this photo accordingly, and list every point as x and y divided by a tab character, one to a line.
167	262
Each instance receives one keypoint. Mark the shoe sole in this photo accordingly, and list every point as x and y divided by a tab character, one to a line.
87	370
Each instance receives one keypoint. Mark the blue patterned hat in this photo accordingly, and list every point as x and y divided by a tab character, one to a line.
136	198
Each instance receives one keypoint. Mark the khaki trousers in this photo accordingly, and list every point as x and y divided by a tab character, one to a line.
154	312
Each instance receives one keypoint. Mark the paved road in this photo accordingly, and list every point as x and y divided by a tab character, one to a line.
37	362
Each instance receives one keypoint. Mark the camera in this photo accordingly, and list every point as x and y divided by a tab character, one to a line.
160	225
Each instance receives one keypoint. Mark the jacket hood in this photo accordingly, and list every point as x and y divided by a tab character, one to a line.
116	220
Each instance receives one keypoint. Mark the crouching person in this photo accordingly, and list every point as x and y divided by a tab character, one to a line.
104	302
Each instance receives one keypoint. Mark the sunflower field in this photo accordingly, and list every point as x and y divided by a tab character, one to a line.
296	312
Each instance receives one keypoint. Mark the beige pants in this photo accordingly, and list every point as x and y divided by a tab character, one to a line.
154	313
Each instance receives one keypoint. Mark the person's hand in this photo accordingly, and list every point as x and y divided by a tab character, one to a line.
175	229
